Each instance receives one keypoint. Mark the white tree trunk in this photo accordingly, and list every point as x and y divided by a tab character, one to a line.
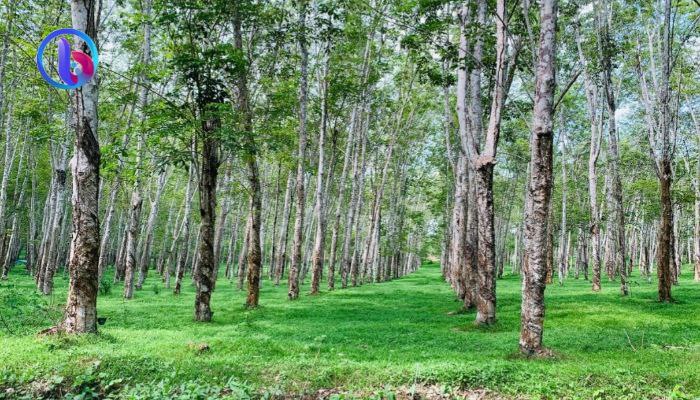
81	306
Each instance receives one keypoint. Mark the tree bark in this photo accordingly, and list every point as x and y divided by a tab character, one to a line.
462	247
662	144
178	252
562	230
10	146
342	187
134	222
230	263
320	206
593	154
107	227
273	239
696	226
220	226
616	200
483	163
696	231
352	261
243	256
81	306
293	291
284	231
13	242
254	255
250	158
539	187
675	242
370	258
664	238
32	233
132	238
206	260
3	61
49	262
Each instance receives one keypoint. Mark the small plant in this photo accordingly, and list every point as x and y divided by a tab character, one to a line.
105	286
155	288
678	394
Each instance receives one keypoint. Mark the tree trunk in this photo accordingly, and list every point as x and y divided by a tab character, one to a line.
562	230
486	254
3	58
662	144
696	230
353	259
178	252
206	260
167	232
107	226
370	259
49	262
284	231
617	228
14	241
293	292
132	233
120	250
675	253
10	146
220	226
273	239
81	306
696	185
243	256
664	238
254	255
254	251
483	163
32	233
593	154
540	187
461	257
134	222
320	206
230	263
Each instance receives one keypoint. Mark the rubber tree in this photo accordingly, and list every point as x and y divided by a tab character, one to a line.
539	190
80	314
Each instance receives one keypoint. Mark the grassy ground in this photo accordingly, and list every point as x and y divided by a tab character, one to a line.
361	340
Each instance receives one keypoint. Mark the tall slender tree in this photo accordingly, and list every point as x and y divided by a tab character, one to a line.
662	141
80	314
293	292
539	188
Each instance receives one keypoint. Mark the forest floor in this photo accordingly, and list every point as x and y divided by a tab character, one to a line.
378	340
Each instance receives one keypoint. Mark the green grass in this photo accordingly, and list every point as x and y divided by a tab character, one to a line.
363	339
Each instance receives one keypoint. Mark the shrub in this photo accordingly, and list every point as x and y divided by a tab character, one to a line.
105	286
